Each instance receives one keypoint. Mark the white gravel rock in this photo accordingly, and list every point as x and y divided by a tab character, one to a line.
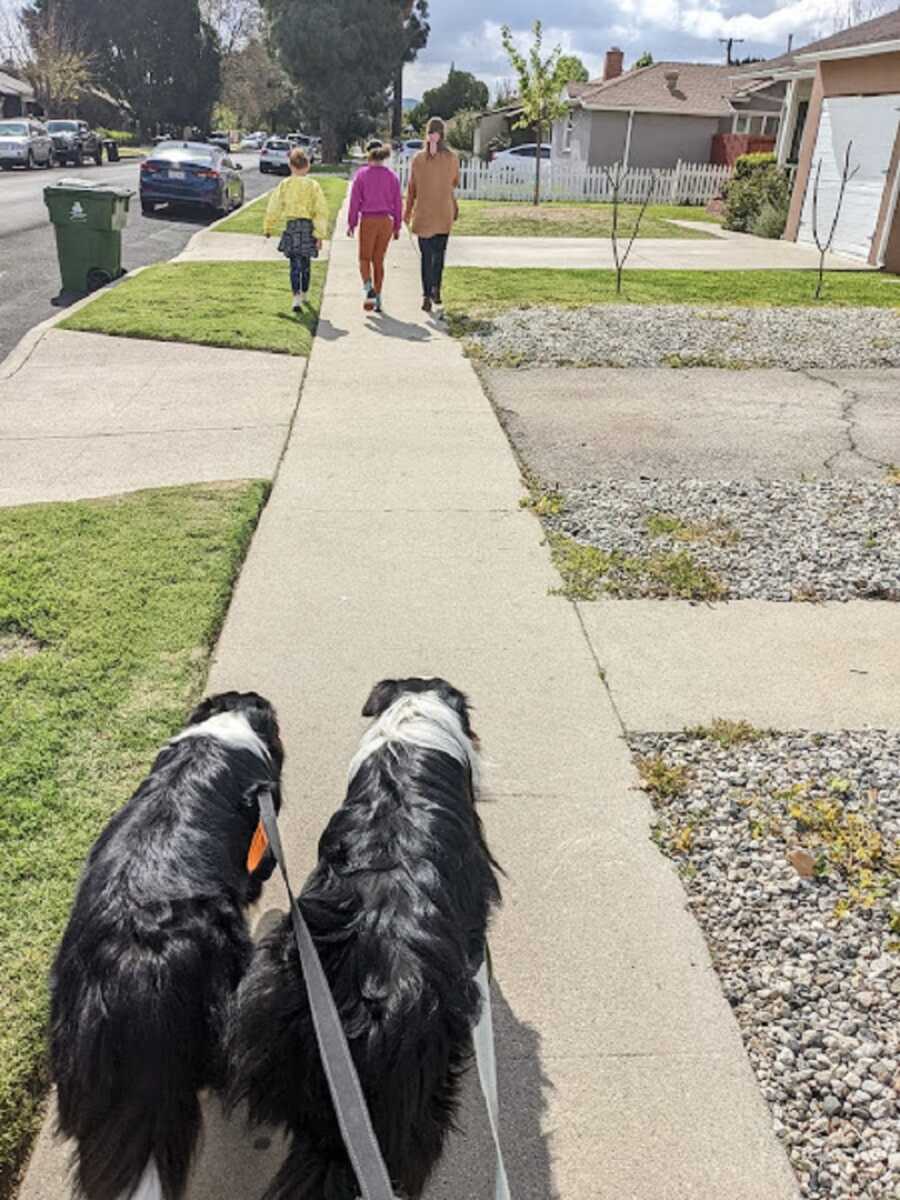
827	1063
648	335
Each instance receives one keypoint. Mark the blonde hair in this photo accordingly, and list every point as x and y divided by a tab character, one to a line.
297	158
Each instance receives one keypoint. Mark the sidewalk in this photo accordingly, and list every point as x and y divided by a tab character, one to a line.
394	544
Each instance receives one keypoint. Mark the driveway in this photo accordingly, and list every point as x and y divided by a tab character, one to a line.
723	252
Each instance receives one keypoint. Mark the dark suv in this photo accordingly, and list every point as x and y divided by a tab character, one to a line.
74	141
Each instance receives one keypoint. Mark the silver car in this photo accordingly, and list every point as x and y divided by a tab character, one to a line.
24	142
273	158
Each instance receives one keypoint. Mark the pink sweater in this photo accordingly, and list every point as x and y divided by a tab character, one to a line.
376	193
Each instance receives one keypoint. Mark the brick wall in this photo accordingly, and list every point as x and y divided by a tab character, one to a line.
726	147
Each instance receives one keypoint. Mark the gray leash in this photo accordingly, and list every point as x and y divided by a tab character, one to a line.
343	1082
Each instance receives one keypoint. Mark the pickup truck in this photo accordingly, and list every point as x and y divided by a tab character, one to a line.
74	141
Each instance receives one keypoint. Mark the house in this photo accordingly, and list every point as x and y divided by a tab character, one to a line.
16	96
843	103
653	116
495	126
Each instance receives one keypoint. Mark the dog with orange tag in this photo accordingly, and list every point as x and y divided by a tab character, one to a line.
156	945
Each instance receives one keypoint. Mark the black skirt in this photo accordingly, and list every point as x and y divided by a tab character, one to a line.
298	240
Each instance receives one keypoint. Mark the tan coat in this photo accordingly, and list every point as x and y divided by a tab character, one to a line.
431	207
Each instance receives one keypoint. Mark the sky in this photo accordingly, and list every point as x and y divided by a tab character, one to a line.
467	32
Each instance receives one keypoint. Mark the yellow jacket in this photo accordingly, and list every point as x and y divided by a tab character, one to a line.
294	199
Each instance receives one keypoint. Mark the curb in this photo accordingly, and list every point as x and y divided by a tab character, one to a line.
29	342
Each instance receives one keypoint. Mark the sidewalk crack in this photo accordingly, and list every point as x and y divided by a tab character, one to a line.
847	416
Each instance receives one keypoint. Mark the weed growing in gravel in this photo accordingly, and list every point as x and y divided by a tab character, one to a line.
723	362
589	573
719	532
544	504
892	475
728	733
662	780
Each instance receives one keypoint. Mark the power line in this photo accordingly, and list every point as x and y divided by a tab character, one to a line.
728	43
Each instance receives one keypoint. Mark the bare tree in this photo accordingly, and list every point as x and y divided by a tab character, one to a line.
616	178
235	21
824	247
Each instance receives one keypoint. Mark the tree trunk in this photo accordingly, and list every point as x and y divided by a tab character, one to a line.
397	116
539	129
330	146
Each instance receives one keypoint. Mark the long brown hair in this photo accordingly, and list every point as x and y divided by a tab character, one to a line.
436	125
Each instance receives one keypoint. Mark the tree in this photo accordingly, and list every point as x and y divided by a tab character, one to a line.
461	131
255	87
416	30
824	247
460	92
616	178
236	22
343	55
540	91
53	55
572	69
646	60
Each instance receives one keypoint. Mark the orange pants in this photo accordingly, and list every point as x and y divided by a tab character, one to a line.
375	235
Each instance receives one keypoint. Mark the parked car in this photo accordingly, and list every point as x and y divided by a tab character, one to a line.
273	158
253	141
527	151
25	143
221	139
194	173
74	141
410	148
306	142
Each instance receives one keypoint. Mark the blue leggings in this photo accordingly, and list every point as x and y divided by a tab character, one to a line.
300	272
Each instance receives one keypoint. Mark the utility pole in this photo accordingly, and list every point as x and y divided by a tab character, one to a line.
728	43
790	42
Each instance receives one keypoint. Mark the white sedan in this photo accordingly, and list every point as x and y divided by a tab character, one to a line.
273	158
524	153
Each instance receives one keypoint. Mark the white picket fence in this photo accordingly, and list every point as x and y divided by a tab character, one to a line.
686	183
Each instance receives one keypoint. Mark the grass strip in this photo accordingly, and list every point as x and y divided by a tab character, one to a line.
241	306
474	290
249	219
108	613
489	218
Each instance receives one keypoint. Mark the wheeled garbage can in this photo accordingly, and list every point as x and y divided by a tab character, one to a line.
89	219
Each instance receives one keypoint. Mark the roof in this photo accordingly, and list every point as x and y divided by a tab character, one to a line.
885	28
701	89
11	86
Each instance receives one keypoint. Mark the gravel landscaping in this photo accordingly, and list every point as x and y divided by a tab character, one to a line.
680	336
789	849
834	539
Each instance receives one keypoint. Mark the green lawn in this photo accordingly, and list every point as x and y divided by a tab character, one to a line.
470	290
243	305
108	613
488	218
249	219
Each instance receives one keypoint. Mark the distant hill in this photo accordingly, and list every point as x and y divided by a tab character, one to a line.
409	103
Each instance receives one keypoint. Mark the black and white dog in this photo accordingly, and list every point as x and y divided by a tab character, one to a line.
155	947
398	905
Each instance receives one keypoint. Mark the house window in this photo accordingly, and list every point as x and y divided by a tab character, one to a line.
770	125
742	123
568	131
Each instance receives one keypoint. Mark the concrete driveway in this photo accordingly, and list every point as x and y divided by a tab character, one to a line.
724	251
570	424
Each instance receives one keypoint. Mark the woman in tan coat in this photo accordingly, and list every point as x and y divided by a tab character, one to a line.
431	207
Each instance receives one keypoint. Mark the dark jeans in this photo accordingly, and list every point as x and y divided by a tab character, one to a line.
300	270
433	250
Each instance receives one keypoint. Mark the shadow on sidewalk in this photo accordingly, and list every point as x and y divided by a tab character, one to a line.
390	327
328	332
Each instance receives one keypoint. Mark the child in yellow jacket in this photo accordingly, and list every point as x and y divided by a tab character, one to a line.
301	202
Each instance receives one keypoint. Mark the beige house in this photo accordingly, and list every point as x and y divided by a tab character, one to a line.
843	103
653	116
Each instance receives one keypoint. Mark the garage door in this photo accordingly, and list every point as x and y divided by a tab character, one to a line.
870	124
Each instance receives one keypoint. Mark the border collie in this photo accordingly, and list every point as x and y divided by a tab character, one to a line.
399	906
155	947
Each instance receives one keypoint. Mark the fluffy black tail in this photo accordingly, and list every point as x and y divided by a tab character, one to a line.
308	1174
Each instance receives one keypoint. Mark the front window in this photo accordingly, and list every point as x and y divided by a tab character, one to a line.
742	123
568	131
771	124
13	129
62	126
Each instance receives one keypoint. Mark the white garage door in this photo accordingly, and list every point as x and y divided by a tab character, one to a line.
868	124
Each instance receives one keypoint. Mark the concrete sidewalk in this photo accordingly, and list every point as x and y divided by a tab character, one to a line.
394	544
721	251
210	245
86	415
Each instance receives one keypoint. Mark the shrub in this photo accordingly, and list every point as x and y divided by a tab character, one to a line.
121	136
770	221
758	183
461	131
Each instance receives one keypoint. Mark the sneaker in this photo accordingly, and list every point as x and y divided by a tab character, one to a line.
436	297
368	297
304	297
297	303
426	304
378	302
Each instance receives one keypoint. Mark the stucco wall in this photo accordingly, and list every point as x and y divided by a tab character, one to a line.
660	140
607	137
872	76
579	143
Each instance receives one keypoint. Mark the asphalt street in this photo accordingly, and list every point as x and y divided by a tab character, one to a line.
29	275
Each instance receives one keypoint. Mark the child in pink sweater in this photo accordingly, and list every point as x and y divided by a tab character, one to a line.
376	205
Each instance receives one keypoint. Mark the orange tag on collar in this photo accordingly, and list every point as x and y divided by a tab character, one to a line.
258	847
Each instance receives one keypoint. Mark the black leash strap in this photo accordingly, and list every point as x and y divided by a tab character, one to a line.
343	1082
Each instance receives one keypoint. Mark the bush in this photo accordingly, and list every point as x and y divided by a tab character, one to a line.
461	131
120	136
769	222
758	183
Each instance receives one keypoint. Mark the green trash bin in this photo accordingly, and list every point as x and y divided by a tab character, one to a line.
89	219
